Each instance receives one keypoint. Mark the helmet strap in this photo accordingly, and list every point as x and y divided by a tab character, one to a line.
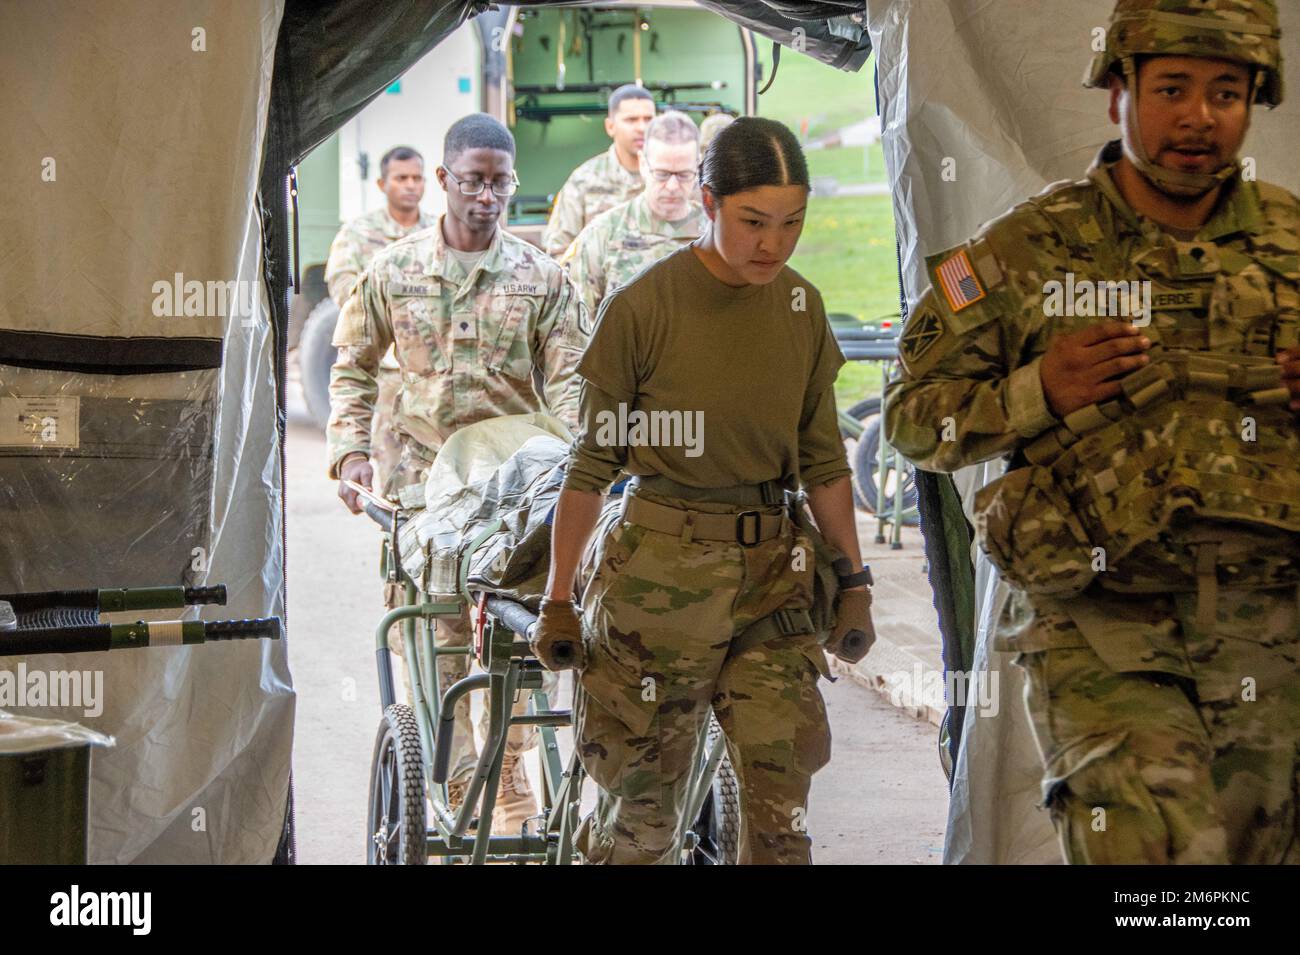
1170	181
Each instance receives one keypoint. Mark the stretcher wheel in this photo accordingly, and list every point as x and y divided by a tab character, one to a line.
718	827
397	831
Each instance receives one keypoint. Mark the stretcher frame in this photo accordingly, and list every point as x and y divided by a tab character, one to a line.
457	835
501	648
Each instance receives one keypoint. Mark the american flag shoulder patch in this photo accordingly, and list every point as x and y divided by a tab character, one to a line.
961	287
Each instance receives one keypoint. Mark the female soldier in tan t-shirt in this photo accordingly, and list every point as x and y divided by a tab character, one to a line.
709	378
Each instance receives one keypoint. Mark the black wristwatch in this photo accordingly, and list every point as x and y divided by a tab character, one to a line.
848	580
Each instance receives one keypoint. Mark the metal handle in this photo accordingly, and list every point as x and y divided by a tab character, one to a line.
268	627
852	647
197	596
442	746
366	494
377	514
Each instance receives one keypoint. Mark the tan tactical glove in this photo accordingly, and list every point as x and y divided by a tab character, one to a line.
854	632
557	638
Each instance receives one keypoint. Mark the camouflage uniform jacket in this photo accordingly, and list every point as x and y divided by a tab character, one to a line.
970	388
598	184
356	244
467	345
973	346
622	241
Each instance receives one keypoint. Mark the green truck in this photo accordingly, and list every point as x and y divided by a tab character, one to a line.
547	73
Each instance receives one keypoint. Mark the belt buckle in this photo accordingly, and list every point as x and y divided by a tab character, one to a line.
740	528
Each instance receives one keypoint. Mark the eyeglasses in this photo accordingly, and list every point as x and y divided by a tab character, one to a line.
474	187
663	175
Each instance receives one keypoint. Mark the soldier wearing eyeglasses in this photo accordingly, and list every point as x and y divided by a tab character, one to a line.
472	312
619	243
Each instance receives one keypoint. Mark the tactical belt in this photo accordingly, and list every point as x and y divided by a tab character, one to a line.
746	528
1204	565
768	492
786	622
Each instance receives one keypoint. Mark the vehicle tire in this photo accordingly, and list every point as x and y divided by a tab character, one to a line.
865	459
299	310
312	292
397	832
718	827
863	410
315	358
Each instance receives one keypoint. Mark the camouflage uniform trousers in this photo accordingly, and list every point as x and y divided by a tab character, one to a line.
457	632
1159	767
660	616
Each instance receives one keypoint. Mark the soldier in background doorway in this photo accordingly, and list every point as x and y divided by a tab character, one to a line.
401	180
622	241
603	181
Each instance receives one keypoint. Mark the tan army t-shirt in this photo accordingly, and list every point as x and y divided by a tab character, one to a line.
709	384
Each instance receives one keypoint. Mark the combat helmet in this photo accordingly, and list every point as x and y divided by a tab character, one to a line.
1245	31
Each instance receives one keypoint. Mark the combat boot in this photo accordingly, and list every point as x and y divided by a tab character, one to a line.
456	796
515	801
456	792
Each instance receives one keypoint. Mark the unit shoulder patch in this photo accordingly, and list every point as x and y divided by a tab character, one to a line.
924	328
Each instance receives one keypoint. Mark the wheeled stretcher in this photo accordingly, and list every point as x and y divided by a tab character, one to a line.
483	540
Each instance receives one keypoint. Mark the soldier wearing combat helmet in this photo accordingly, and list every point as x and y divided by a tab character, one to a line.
1130	343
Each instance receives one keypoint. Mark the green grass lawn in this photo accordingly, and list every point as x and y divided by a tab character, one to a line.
847	247
808	90
854	164
847	252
